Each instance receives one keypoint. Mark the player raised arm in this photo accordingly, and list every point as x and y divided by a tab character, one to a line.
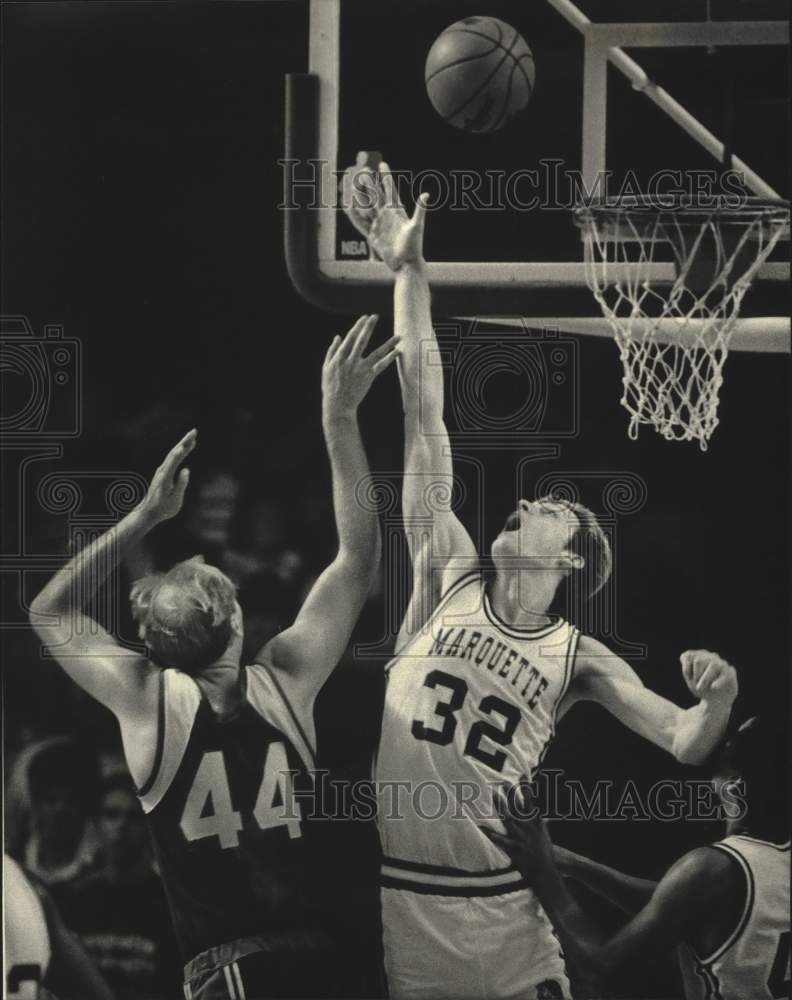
440	548
689	734
698	885
124	682
308	650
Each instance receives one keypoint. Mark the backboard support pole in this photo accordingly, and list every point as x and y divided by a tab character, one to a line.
595	112
611	36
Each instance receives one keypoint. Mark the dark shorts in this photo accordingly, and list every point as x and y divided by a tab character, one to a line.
258	969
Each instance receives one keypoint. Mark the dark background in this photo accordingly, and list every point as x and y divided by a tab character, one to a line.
139	203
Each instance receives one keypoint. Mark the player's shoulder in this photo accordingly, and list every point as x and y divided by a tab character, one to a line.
154	761
588	646
178	689
591	657
594	659
260	678
268	688
705	873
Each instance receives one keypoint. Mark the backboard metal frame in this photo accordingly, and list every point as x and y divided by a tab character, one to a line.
483	288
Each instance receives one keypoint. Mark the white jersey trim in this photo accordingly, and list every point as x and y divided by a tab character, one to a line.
747	907
455	881
569	669
765	843
267	697
517	631
455	588
437	880
181	698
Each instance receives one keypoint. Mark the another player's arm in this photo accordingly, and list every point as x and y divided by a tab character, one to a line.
628	892
71	974
124	682
697	886
309	649
689	734
440	548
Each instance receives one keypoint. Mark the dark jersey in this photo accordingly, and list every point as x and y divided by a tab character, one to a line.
225	805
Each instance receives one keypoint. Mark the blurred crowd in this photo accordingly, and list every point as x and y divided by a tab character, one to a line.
72	816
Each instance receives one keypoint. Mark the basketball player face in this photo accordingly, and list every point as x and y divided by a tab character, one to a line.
539	529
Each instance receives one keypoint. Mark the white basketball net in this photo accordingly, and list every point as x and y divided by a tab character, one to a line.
673	340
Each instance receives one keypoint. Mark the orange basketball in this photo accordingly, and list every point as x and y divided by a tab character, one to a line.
479	74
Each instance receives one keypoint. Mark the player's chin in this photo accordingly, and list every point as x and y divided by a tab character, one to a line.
503	545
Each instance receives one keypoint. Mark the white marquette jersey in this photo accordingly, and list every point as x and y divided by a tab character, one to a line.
26	943
753	963
470	703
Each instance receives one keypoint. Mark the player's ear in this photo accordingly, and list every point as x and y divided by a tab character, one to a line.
237	626
572	560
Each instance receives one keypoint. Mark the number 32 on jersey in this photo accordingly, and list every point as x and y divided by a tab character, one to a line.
209	812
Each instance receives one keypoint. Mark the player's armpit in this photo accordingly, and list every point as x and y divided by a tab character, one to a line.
606	679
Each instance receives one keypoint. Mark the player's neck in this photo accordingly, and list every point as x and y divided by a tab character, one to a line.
521	597
220	685
220	680
748	826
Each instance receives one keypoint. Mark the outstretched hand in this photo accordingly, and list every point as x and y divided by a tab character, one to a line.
346	375
371	202
165	495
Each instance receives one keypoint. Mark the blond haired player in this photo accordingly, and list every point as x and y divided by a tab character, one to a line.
481	674
221	752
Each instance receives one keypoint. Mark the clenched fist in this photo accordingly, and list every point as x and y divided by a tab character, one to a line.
708	676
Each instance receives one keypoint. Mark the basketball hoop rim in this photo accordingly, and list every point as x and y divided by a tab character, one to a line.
684	209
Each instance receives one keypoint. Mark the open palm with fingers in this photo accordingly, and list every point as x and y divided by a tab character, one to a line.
347	375
372	203
165	495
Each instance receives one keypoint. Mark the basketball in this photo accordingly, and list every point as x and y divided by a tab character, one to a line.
479	74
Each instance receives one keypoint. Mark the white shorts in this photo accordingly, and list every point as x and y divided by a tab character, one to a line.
476	947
